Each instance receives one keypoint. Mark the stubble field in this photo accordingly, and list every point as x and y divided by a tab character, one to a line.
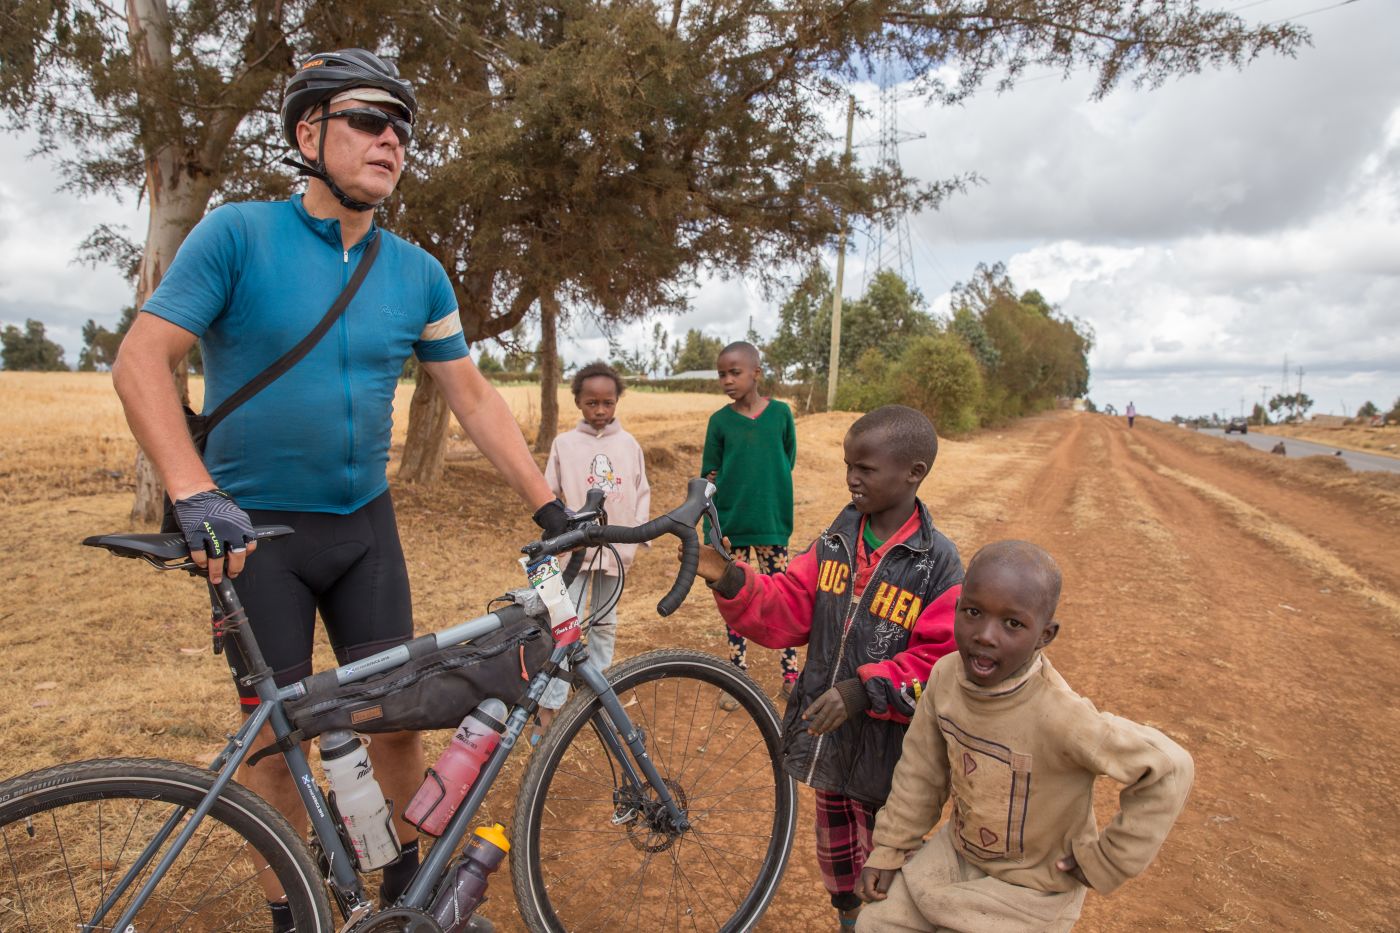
1248	606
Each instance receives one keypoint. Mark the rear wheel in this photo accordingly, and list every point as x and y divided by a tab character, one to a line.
589	853
69	835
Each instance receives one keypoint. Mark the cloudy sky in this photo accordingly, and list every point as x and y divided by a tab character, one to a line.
1205	229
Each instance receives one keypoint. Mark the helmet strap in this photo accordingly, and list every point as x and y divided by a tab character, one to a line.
318	171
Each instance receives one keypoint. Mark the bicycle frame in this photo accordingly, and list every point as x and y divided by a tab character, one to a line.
622	738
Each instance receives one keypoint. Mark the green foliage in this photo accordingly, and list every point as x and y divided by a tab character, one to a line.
100	344
695	351
885	318
1258	415
1290	406
29	350
999	356
1393	415
867	385
1029	353
489	364
801	349
935	373
1090	407
1368	410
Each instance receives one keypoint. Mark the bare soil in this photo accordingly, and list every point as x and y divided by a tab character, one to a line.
1248	606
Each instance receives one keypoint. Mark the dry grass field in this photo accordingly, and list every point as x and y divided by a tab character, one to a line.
1247	605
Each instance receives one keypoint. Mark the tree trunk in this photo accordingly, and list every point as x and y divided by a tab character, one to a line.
426	444
549	371
179	178
425	448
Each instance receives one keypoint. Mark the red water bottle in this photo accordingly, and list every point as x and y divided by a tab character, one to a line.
451	776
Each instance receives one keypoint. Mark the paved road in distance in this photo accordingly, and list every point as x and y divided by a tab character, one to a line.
1301	448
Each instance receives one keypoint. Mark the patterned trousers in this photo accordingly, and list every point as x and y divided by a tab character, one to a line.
767	559
844	828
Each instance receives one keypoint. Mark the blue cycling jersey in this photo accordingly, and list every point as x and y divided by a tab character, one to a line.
253	279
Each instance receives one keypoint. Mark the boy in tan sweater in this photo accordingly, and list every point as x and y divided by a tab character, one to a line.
1001	732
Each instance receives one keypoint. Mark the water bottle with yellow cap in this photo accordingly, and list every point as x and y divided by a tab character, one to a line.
466	889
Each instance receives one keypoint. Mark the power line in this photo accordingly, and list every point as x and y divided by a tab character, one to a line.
1321	9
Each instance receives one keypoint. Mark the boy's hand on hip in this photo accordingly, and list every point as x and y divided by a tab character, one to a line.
826	713
1070	866
712	566
874	882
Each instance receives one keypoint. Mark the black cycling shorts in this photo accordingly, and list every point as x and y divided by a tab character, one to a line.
349	567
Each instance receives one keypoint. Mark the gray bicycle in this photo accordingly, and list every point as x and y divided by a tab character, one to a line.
646	807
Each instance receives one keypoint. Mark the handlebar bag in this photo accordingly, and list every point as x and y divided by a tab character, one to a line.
434	690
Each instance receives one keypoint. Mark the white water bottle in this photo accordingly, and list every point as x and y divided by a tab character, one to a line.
548	581
357	797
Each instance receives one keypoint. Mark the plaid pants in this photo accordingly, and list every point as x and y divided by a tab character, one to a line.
844	828
765	559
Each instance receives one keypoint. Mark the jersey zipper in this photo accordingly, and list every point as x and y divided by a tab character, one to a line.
343	327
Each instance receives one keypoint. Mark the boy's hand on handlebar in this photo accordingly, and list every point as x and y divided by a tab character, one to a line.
874	882
712	566
215	527
826	713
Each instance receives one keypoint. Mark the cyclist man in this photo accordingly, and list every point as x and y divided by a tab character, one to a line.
310	449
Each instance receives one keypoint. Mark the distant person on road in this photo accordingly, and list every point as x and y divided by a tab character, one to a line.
872	599
1000	733
1279	449
750	451
597	454
1131	413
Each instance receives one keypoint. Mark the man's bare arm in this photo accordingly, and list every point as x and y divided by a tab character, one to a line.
143	376
488	421
144	380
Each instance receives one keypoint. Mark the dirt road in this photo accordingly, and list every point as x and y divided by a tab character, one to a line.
1248	606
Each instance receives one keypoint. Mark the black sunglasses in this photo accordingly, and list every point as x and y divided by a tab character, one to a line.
372	121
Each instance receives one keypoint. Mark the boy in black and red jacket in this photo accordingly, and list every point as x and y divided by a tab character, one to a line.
873	600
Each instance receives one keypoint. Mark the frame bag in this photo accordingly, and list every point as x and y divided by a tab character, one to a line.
434	690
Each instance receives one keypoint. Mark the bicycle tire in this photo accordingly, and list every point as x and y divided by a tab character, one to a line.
576	868
69	833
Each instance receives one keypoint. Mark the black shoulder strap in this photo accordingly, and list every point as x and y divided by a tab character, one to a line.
289	359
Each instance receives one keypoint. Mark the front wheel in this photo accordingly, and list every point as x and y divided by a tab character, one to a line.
70	834
590	853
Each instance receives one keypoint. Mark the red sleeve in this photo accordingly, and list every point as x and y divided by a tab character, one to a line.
930	639
775	611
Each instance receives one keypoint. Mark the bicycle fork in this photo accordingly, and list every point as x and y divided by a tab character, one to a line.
631	735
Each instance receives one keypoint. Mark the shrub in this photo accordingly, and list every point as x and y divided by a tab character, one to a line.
939	376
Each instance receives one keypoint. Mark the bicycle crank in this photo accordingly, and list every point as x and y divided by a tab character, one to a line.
397	920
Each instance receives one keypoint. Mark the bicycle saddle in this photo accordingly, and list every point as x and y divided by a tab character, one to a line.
165	546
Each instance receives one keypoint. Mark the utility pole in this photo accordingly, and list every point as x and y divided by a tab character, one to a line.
1263	403
840	270
1298	399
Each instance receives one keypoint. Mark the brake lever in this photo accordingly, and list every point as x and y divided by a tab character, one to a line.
716	536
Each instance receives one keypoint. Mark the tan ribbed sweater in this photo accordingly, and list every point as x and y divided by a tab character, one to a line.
1019	761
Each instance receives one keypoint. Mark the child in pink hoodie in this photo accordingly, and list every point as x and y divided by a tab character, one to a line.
597	454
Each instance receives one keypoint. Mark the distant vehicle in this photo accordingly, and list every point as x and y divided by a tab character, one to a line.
1237	424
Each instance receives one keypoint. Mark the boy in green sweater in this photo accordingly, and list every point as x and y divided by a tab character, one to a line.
1001	732
750	450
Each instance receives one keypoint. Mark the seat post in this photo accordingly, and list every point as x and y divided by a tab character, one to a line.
235	623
